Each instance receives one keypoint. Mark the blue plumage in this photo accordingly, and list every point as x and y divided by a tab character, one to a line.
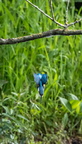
37	78
40	80
41	88
44	78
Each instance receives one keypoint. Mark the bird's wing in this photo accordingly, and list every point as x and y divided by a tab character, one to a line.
44	78
40	75
36	78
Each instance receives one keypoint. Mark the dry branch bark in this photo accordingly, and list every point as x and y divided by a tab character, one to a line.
49	33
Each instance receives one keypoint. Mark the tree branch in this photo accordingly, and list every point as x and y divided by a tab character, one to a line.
73	23
40	35
62	25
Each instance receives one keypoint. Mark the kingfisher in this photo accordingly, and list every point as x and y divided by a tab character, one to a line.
41	80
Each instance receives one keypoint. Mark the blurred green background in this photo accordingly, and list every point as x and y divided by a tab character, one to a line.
24	117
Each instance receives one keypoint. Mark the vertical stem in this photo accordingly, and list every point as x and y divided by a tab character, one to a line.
66	22
51	7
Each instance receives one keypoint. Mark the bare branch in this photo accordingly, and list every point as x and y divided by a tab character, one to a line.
73	23
51	7
64	26
40	35
44	34
67	11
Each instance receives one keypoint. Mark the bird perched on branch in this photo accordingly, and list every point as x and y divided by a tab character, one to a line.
40	80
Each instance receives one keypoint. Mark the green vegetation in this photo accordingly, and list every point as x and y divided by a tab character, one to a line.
24	117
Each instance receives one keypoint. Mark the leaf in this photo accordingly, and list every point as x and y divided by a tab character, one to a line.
20	116
2	82
73	97
16	94
75	103
80	128
66	103
81	107
65	120
35	111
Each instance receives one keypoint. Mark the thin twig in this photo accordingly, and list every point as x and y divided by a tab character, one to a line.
50	33
73	23
51	7
64	26
66	22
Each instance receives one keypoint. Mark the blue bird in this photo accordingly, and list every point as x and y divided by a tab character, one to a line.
37	78
41	88
40	80
44	78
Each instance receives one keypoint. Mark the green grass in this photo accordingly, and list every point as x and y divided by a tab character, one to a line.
25	118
